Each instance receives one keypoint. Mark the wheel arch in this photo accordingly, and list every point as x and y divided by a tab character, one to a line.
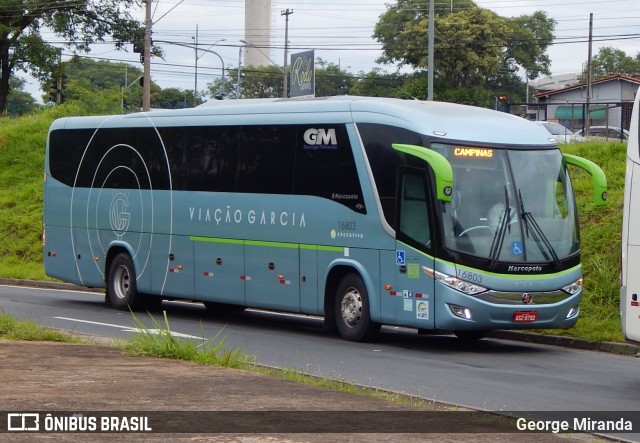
116	248
336	272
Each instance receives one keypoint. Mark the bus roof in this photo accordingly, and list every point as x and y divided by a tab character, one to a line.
447	121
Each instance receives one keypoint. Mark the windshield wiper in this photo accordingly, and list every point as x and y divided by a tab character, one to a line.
498	238
538	234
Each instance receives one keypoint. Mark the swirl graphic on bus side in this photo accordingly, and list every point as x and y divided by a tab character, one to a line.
117	191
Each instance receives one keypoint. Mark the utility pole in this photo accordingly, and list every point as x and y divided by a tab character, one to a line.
286	13
587	119
146	85
432	21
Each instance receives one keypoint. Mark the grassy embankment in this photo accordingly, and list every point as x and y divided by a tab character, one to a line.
21	172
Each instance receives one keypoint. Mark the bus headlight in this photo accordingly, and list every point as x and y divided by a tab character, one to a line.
454	282
574	287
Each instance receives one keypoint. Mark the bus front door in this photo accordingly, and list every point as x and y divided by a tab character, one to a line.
414	289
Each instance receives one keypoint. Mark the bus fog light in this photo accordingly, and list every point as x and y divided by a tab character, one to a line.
573	312
461	312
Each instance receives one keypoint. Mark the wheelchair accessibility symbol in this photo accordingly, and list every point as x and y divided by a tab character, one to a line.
516	248
400	258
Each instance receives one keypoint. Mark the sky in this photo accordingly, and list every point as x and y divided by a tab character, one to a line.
340	32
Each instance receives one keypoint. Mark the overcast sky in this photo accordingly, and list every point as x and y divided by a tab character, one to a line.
340	32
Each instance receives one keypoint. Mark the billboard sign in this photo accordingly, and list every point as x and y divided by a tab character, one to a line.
303	76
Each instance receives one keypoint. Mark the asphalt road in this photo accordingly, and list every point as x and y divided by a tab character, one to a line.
492	374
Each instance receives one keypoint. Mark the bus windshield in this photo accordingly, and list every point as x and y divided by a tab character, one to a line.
509	205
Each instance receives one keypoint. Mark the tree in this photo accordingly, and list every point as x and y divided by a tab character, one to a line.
472	44
78	22
103	87
377	83
19	101
331	79
255	82
172	98
262	81
610	61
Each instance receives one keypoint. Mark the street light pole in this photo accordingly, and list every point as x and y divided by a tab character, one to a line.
198	49
195	88
284	72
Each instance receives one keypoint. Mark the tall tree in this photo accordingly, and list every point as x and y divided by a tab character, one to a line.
377	83
610	61
19	101
472	44
331	79
79	22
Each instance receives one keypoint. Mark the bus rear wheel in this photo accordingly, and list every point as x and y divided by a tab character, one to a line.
352	314
122	291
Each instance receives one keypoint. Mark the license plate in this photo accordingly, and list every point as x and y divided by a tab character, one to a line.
525	316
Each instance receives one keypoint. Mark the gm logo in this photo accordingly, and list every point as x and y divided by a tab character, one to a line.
314	136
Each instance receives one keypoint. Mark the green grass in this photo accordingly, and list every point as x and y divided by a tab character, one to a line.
600	234
22	143
12	329
159	341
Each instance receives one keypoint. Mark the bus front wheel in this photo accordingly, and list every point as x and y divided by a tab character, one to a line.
121	285
352	313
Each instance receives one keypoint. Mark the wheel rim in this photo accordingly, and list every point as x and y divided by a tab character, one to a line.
121	282
351	307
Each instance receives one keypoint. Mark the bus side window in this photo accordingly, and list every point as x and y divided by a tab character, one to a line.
414	209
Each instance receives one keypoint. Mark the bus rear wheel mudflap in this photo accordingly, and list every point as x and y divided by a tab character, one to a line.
122	291
352	314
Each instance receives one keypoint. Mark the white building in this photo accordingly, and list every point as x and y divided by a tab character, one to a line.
610	103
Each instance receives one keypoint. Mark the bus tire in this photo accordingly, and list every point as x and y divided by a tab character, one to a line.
121	285
352	313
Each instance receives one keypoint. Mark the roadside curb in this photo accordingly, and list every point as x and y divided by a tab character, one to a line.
529	337
568	342
47	285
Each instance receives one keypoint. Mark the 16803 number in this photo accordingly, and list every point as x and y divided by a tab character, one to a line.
345	225
470	276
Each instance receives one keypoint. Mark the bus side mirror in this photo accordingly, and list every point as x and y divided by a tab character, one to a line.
598	178
440	165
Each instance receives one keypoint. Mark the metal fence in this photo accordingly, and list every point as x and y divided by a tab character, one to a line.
573	115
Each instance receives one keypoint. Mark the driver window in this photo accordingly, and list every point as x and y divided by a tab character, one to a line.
413	210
